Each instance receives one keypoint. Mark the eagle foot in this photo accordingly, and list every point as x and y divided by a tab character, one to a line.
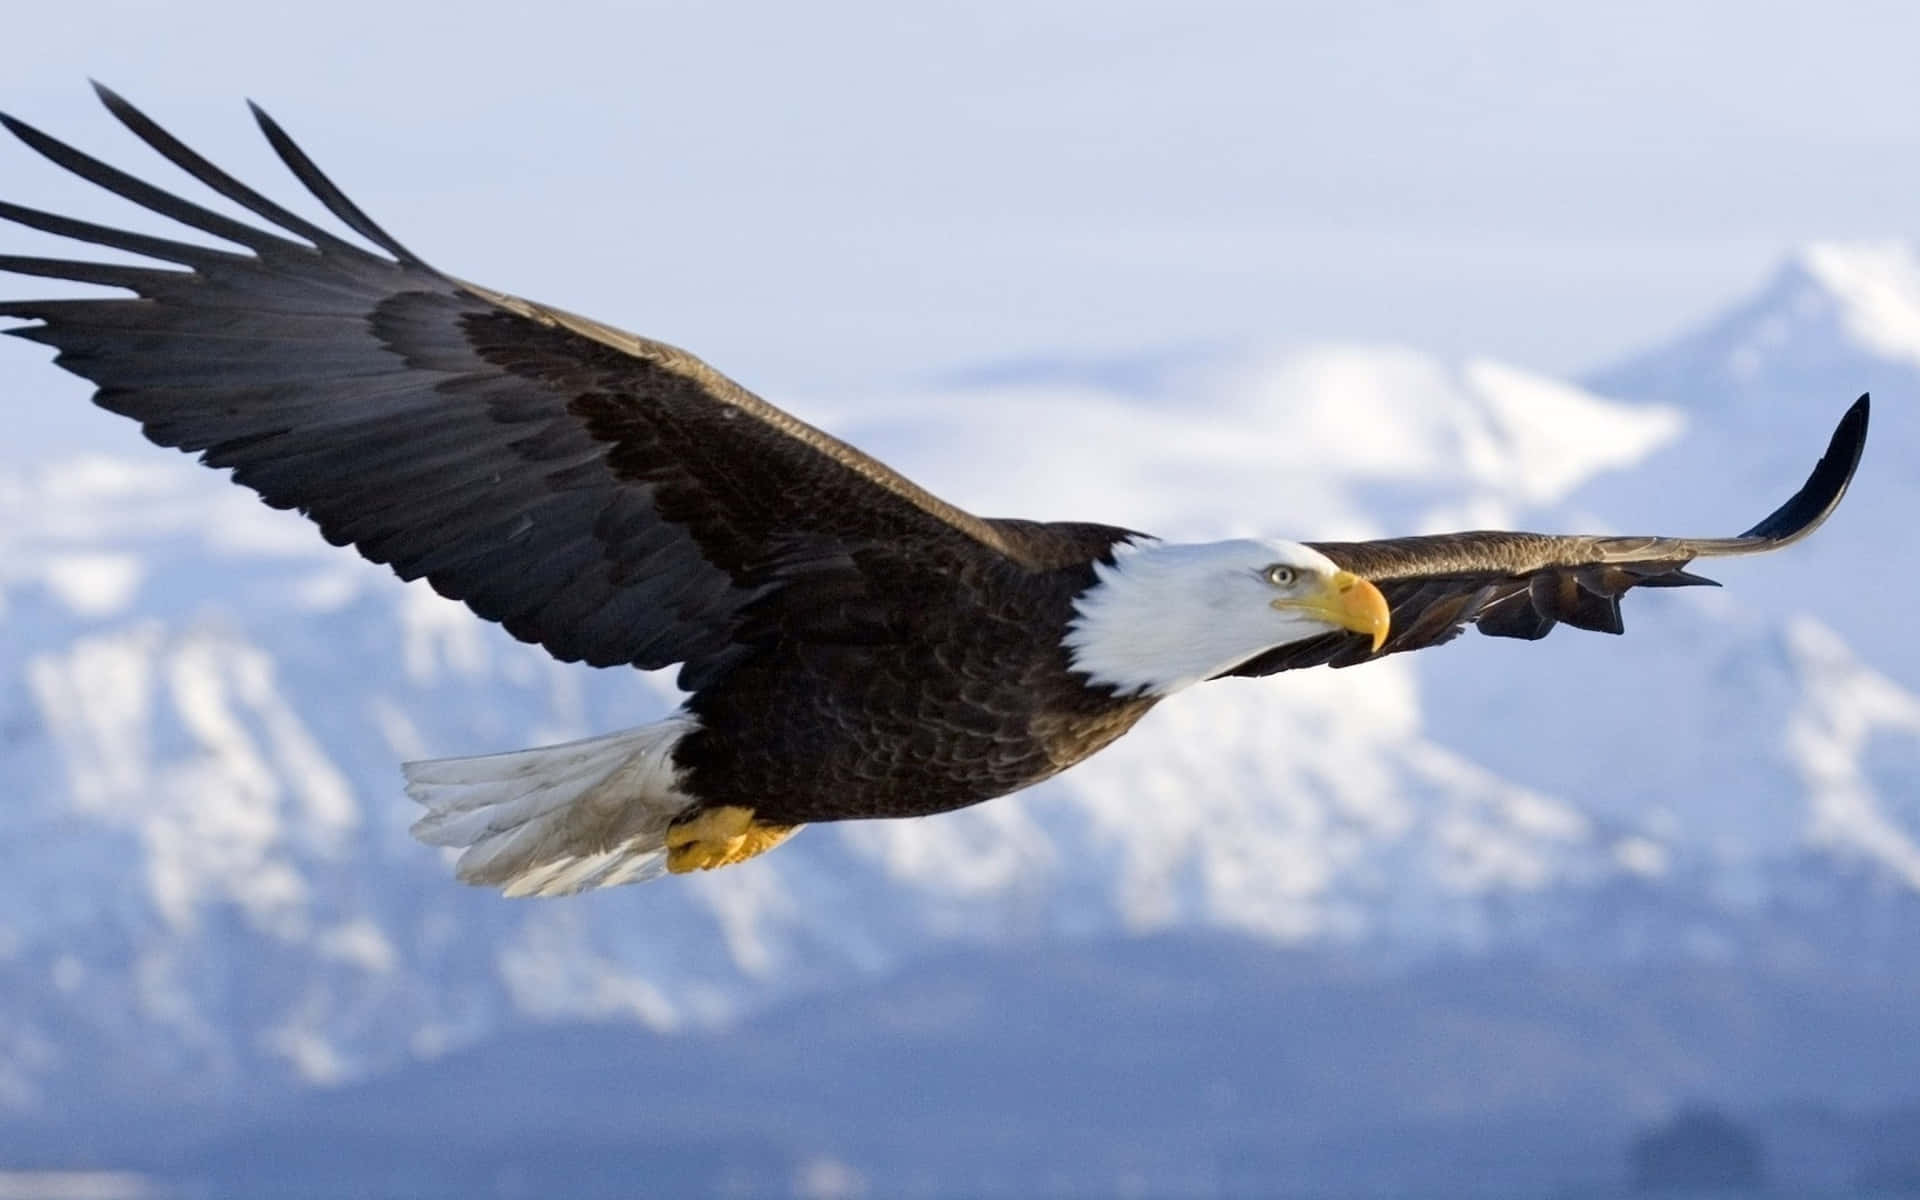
720	837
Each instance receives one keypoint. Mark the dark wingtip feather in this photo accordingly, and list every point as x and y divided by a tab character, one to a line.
1820	495
1676	578
139	191
164	249
324	190
27	134
177	152
115	103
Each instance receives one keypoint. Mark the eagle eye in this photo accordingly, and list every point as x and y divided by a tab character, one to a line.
1281	576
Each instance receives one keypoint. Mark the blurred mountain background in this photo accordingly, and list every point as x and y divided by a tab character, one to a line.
1492	891
1495	919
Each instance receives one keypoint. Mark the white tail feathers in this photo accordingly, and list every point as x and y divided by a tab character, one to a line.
558	819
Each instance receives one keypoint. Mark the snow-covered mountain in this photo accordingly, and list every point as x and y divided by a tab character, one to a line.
1760	384
1788	696
206	884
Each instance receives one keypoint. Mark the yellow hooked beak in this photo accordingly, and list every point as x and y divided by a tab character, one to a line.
1348	602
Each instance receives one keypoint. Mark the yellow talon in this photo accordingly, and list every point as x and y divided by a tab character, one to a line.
720	837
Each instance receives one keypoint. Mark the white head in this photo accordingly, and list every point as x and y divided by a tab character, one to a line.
1166	615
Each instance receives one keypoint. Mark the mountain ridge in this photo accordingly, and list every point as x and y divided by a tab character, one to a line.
202	707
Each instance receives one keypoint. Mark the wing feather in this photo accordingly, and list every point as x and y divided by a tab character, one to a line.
1522	585
610	497
141	192
177	153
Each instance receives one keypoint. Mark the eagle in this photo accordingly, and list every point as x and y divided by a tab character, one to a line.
850	645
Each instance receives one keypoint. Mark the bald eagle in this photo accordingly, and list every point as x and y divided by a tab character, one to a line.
850	645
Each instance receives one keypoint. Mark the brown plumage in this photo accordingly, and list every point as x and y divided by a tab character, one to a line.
852	645
1520	585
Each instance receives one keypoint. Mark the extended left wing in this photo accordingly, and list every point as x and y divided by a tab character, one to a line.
610	497
1521	585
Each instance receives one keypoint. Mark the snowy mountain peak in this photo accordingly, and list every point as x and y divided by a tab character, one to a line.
1873	289
1334	441
202	707
1830	321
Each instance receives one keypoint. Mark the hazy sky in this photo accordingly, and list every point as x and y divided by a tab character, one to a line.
826	196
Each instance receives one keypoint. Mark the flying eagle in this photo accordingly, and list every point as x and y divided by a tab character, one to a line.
850	645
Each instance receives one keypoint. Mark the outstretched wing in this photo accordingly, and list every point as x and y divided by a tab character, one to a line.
612	498
1521	585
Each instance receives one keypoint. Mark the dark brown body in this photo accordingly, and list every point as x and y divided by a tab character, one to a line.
954	689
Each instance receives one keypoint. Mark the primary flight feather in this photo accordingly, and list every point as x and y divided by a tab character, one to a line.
852	645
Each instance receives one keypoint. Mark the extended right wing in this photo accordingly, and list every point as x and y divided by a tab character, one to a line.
1520	585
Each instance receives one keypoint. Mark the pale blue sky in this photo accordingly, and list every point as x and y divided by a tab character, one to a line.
836	196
